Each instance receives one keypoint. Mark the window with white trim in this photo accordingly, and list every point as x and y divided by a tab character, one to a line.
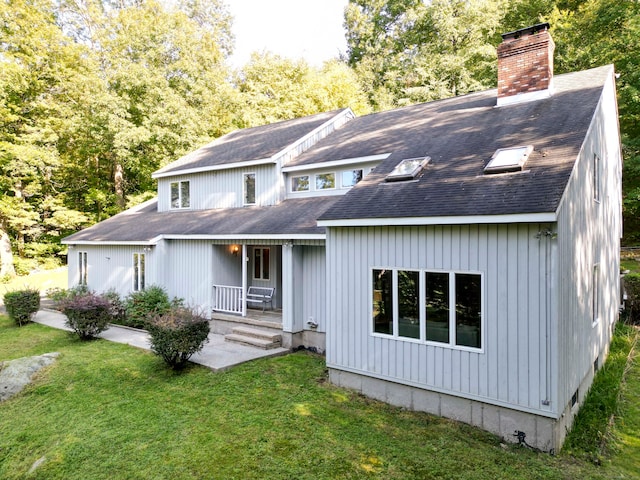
249	188
429	306
325	181
596	177
300	184
180	195
82	268
261	263
595	295
351	177
138	272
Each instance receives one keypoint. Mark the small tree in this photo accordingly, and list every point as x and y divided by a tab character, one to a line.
87	315
22	304
177	335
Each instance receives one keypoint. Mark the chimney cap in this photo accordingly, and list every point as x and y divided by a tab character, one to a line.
526	31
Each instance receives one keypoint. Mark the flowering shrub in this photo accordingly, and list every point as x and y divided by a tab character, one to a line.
22	304
87	315
177	335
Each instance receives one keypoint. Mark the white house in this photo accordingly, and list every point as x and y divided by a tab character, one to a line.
459	257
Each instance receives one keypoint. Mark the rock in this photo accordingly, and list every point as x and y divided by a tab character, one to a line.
18	373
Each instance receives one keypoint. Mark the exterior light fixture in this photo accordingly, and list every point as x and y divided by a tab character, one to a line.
235	249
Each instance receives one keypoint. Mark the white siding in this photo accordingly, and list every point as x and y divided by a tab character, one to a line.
312	283
589	232
511	369
222	188
189	272
111	267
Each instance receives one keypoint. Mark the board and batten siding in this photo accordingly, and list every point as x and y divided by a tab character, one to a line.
111	267
589	231
222	188
512	369
188	273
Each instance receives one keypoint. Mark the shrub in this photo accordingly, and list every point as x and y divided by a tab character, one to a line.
632	287
117	308
24	266
177	335
145	304
22	304
87	315
60	296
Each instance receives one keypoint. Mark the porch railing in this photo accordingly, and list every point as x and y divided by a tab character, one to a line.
227	299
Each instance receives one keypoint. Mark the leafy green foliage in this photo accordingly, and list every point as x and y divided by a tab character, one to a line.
178	334
632	305
22	304
87	314
142	305
591	433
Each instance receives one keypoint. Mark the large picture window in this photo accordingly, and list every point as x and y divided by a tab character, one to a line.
261	263
440	307
138	272
249	188
180	195
82	268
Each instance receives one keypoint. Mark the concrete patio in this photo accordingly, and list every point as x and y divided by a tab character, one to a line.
217	354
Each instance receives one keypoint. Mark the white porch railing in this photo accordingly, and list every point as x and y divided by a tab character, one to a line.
228	299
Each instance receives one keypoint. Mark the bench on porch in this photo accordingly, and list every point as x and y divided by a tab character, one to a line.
262	295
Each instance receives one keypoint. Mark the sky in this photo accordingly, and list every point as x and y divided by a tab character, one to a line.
311	29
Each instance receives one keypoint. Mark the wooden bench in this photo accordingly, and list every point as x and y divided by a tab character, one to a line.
262	295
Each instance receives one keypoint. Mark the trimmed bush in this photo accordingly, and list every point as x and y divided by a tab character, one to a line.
177	335
22	304
117	308
60	296
87	315
145	304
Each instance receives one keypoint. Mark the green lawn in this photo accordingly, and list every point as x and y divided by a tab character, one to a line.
43	281
109	411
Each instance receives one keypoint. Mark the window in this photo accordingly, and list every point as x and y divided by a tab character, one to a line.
249	188
508	159
596	177
447	304
261	263
351	177
407	169
180	194
82	268
138	272
325	181
300	184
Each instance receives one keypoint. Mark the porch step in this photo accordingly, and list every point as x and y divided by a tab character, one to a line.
254	337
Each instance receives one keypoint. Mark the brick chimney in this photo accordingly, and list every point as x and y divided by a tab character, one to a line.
525	65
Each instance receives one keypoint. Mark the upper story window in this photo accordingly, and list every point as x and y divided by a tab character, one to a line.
596	177
325	181
180	197
351	177
249	188
440	307
300	184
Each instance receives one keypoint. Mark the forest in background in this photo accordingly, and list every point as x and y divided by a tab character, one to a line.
95	95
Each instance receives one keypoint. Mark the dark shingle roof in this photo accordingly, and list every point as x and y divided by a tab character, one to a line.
256	143
460	135
291	217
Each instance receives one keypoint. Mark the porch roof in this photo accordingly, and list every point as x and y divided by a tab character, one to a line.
145	224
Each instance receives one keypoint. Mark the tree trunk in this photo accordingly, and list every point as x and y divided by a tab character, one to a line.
6	257
118	183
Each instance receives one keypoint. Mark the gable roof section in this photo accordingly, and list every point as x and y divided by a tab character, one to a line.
145	225
460	135
249	144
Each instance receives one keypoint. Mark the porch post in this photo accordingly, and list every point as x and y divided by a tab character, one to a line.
245	259
287	287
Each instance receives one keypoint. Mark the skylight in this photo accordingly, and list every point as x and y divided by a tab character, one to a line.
508	159
407	169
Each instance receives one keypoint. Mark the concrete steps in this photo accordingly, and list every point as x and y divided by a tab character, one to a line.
254	337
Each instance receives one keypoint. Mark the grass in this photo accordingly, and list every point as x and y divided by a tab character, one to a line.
42	281
106	410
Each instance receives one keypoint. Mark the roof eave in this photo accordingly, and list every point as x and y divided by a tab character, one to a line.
444	220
